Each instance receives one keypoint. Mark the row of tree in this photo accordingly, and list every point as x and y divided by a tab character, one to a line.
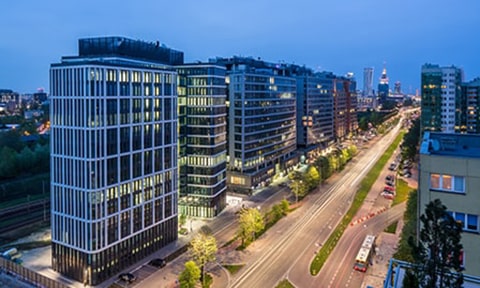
27	161
411	141
320	170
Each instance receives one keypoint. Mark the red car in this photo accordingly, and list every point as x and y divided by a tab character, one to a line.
389	188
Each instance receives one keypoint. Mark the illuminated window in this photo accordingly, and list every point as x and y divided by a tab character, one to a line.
448	183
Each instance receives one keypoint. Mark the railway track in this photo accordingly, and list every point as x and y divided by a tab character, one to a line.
18	216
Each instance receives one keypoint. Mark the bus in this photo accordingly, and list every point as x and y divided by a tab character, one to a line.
365	253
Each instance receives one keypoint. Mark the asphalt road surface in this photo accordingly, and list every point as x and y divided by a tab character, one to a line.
291	244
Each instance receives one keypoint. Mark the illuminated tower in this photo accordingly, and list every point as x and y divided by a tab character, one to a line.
383	86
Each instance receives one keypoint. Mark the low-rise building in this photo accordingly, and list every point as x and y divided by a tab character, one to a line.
450	171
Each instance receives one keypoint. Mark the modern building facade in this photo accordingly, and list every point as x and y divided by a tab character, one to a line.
203	139
441	99
344	107
261	122
470	114
114	174
368	82
383	87
449	171
314	111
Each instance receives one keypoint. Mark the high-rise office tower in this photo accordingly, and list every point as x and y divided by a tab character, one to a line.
203	139
441	98
470	115
383	88
368	82
261	122
113	156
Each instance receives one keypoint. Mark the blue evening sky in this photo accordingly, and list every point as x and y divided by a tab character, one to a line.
338	36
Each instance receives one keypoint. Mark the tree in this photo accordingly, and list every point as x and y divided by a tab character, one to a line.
182	220
285	206
203	249
312	178
363	123
323	166
438	251
11	139
299	188
8	162
26	160
250	222
190	275
411	140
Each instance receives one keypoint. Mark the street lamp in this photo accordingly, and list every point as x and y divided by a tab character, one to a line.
296	194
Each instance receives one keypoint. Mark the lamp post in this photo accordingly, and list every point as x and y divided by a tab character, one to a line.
298	188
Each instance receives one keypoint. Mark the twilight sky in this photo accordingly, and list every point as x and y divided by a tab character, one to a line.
338	36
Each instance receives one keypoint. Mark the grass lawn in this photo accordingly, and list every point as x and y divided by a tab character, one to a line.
285	284
392	228
233	268
402	192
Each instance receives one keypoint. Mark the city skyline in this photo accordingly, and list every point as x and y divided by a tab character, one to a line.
332	37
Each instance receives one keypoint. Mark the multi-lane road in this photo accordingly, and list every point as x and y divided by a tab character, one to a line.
295	241
287	249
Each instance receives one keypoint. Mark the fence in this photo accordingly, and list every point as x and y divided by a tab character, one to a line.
28	276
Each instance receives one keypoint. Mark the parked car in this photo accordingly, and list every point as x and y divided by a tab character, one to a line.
389	188
127	277
392	167
389	177
390	183
158	262
405	171
387	195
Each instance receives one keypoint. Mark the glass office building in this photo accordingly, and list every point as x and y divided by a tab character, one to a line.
113	156
203	139
261	122
314	112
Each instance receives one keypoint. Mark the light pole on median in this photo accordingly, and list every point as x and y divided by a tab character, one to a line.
298	188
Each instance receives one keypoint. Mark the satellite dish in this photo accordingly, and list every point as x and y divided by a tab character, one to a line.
435	145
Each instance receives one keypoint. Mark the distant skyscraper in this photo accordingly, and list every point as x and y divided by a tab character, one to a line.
383	88
40	96
398	88
114	179
441	98
368	82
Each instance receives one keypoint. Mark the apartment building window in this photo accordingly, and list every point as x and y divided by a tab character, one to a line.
447	183
469	222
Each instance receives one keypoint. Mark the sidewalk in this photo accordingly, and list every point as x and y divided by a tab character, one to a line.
387	244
